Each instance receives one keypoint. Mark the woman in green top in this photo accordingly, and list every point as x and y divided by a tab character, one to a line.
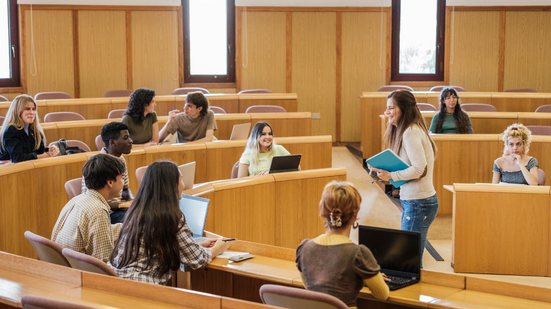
451	119
140	117
259	151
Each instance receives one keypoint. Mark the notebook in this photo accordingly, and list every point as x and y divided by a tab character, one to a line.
288	163
188	173
388	160
195	211
396	251
240	131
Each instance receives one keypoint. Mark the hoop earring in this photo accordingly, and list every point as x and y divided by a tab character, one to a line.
355	225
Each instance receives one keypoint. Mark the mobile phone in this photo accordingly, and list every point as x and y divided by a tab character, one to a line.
229	239
242	257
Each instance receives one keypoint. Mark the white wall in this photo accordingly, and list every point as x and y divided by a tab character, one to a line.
315	3
105	2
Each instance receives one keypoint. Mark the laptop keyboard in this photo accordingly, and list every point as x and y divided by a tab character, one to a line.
398	282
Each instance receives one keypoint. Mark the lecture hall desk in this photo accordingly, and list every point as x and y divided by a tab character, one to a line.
20	276
501	229
283	124
437	290
98	108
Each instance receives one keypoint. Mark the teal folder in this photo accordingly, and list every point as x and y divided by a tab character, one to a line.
388	160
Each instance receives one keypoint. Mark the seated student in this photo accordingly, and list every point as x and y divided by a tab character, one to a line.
117	142
83	224
21	136
451	119
196	123
140	117
259	151
331	263
515	165
155	238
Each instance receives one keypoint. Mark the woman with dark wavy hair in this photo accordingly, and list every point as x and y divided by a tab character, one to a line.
140	117
155	238
451	119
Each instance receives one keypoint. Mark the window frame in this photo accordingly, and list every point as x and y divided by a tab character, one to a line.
15	80
440	46
230	76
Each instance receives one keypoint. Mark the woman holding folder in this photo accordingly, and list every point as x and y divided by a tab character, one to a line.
407	136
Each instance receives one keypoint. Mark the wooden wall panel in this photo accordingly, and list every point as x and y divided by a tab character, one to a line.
155	50
52	32
263	50
474	55
363	64
102	51
527	50
314	62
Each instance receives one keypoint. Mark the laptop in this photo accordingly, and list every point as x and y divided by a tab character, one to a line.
396	251
240	131
282	164
188	173
195	211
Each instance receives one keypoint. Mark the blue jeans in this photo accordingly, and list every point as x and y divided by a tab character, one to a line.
418	216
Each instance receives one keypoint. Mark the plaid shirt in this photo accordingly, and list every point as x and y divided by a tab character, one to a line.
192	256
84	226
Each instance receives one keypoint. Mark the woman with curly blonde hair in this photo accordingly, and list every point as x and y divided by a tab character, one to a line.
515	165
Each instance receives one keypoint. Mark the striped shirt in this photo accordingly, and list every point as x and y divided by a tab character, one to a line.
84	226
192	256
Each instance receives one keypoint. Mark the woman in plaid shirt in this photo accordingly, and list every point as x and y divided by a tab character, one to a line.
155	238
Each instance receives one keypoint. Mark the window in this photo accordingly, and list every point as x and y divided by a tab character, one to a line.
418	40
9	44
209	41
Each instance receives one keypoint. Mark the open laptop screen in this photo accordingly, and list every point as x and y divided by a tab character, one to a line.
288	163
394	250
195	211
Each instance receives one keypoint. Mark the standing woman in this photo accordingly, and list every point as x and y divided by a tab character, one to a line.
21	136
407	136
259	151
140	117
451	119
155	238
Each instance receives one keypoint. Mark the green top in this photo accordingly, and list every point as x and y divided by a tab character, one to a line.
140	132
449	126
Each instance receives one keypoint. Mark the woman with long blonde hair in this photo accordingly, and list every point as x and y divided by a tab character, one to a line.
21	136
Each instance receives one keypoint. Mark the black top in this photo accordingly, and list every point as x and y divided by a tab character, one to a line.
19	146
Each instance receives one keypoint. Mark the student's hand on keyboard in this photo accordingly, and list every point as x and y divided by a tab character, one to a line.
385	277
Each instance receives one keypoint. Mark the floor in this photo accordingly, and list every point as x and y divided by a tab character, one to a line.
378	210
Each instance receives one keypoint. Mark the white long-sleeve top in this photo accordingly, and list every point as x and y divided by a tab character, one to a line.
417	153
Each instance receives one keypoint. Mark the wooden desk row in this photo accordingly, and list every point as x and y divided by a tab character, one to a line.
98	108
277	209
373	104
33	191
283	124
502	229
436	290
469	158
20	276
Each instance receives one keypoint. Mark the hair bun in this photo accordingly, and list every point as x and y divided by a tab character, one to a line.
335	217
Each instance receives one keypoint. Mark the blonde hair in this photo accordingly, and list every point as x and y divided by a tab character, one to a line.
13	118
340	201
253	145
517	130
